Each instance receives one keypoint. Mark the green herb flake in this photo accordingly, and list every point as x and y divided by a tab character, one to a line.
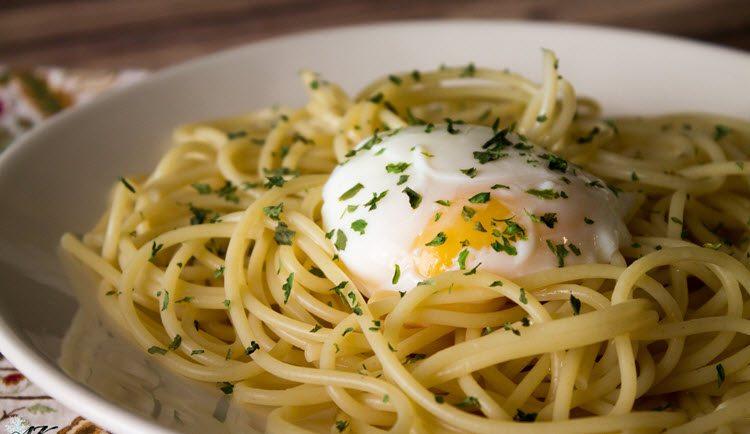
157	350
359	226
497	186
227	388
522	298
575	303
414	198
588	221
483	197
287	287
396	167
127	184
396	274
273	211
165	300
283	235
176	342
376	197
470	172
721	131
395	80
720	375
340	240
439	240
348	194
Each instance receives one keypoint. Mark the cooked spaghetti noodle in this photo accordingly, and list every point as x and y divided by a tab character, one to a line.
192	267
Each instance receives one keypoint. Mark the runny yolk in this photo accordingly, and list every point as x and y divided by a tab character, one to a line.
464	224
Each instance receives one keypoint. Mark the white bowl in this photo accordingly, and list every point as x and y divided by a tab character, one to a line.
55	179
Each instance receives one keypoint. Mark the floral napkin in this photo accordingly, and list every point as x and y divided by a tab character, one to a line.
27	98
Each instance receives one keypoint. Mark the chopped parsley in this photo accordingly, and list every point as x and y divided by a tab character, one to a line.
470	172
483	197
469	401
228	192
202	188
439	240
359	226
227	388
575	303
468	212
283	235
414	198
396	274
176	342
340	240
315	328
588	221
396	167
473	270
395	80
377	98
503	186
469	70
720	131
127	184
165	300
720	375
555	163
157	350
155	250
462	256
444	202
231	135
416	76
348	194
273	211
541	118
546	194
402	179
219	272
548	219
341	425
522	298
254	346
451	122
376	197
558	250
287	287
509	327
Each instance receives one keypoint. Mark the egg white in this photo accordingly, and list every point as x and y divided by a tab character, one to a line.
435	160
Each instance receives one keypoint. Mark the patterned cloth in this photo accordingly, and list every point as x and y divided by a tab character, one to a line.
27	97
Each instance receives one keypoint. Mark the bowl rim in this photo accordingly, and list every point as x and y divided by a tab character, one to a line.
48	376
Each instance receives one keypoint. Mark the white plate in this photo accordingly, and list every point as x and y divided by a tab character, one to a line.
56	178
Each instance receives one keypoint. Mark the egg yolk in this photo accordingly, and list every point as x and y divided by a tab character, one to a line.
455	227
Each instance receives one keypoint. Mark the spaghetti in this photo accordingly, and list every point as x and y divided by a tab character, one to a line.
195	269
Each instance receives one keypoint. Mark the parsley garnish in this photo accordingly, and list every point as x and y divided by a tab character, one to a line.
219	272
377	98
439	240
359	226
176	342
231	135
373	203
576	304
154	250
287	287
469	70
470	172
283	235
348	194
396	274
254	346
451	122
227	388
448	203
341	425
395	80
469	401
522	298
720	375
555	163
560	251
588	221
315	328
720	131
473	270
273	211
396	167
402	179
157	350
127	184
496	186
546	194
340	240
202	188
483	197
462	256
541	118
414	198
229	192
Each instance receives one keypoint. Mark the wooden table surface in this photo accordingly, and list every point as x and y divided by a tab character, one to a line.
154	33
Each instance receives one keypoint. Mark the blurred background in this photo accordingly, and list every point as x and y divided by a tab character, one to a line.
154	33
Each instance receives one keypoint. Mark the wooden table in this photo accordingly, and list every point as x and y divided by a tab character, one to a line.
154	33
